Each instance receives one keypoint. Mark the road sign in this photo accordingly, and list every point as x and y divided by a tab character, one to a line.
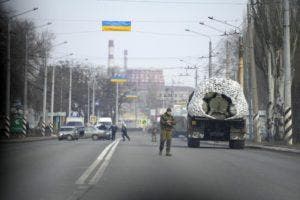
144	121
93	119
16	125
60	114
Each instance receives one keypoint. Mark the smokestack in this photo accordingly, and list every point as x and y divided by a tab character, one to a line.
110	62
125	59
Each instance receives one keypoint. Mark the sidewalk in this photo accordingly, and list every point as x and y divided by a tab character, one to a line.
274	147
27	139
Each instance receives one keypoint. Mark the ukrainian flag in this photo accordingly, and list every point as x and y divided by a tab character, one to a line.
116	25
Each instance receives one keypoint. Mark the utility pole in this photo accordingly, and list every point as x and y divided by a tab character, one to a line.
60	99
241	62
25	75
125	59
270	121
227	74
288	123
209	60
88	110
52	93
117	102
53	87
7	108
93	100
70	92
209	50
257	137
45	89
196	77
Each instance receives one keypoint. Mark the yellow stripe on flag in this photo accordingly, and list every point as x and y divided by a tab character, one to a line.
116	28
118	80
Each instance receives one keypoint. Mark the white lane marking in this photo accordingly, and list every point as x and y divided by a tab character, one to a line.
102	168
91	168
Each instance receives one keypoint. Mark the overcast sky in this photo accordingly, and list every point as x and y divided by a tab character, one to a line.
158	38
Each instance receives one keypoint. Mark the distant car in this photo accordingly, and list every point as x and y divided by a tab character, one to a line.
180	129
95	133
68	132
103	127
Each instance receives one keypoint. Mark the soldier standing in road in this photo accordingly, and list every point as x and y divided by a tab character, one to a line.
166	123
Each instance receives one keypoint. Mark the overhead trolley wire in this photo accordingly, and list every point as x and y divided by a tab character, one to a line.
177	2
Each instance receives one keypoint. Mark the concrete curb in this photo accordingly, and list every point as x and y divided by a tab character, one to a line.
272	148
29	139
259	146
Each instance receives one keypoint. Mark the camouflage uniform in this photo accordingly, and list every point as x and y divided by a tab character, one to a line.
166	131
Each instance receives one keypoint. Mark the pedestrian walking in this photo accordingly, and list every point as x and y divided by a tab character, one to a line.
113	129
154	131
166	124
124	132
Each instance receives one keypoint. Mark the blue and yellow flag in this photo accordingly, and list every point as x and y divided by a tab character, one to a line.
119	78
116	25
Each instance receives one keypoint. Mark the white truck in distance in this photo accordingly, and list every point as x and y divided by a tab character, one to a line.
76	122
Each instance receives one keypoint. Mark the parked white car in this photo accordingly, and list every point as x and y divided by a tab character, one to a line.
68	132
94	133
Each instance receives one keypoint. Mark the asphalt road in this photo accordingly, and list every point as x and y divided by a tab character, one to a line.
87	169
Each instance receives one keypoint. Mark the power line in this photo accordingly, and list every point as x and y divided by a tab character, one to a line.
139	32
133	21
177	2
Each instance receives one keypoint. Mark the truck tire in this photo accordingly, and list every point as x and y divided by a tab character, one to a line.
193	143
236	144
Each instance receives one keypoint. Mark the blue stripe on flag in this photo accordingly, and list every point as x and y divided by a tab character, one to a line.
116	23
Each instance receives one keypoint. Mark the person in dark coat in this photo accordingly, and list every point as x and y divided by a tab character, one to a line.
113	129
124	132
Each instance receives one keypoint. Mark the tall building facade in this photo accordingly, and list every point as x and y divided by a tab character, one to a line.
143	80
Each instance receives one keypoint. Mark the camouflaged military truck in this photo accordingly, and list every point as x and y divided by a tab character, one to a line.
216	111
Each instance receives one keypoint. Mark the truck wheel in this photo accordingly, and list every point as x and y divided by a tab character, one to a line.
194	143
236	144
69	137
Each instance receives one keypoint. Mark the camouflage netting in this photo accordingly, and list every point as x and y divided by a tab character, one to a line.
218	98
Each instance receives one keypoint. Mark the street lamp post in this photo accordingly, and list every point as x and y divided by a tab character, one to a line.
53	86
8	68
45	86
227	47
70	92
209	51
241	49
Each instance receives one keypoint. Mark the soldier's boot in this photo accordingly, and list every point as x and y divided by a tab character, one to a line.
168	154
